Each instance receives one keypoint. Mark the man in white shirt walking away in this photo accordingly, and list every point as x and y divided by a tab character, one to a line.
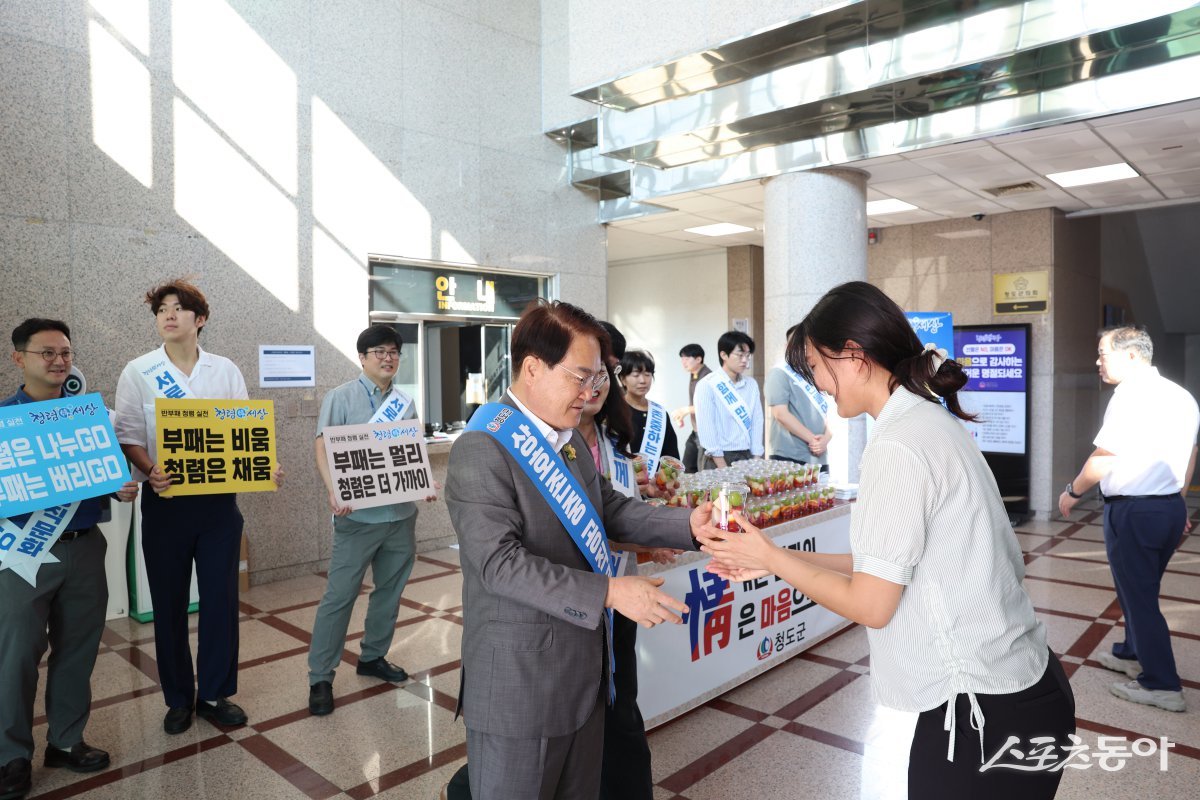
1144	459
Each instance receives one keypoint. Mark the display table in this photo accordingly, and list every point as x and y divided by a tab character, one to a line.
734	631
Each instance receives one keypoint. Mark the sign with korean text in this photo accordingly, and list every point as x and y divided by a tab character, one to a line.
379	464
1021	292
733	630
996	361
216	446
55	452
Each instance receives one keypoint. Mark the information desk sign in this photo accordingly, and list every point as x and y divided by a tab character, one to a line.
53	454
216	446
378	464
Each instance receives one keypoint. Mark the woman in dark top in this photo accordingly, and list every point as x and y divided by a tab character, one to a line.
637	375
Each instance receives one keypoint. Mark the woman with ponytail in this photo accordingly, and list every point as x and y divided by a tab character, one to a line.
958	660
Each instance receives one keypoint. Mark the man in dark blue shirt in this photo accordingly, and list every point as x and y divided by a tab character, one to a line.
66	609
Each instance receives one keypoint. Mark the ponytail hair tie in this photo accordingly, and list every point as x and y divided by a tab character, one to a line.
939	355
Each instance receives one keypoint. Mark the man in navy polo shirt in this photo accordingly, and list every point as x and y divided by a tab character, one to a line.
65	610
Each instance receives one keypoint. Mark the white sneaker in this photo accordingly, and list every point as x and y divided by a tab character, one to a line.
1130	667
1160	698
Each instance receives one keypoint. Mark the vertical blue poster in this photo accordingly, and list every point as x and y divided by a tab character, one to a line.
936	327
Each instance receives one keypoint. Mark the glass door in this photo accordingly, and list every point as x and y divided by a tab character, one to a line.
497	363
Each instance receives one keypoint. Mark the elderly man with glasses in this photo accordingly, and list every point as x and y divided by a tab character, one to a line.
382	537
533	517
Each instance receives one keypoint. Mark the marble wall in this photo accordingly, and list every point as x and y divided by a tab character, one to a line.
948	266
266	149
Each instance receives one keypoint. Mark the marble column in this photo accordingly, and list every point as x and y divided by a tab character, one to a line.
815	237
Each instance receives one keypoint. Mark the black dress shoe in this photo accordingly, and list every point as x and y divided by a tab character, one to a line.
82	757
177	720
223	713
320	698
382	669
14	779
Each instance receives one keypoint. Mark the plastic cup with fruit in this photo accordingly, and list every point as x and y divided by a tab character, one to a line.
730	499
669	472
639	469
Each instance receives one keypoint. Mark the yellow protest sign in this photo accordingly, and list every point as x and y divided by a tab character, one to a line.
216	446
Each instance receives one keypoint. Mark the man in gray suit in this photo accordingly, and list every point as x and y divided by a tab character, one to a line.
535	646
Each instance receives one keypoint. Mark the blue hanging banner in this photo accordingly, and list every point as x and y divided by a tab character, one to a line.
934	327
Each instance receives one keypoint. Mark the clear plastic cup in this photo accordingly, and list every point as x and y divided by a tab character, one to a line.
728	498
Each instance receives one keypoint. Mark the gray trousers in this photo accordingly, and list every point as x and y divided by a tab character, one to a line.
559	768
71	600
730	457
389	548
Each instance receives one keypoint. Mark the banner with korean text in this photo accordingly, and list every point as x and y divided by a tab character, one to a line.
216	446
734	630
53	454
379	464
57	451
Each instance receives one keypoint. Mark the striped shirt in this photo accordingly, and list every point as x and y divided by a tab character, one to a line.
717	428
929	517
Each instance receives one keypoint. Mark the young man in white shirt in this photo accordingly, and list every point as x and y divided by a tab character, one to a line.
177	532
729	414
1144	460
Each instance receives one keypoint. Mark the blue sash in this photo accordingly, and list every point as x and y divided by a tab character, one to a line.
734	404
521	439
815	397
654	436
393	408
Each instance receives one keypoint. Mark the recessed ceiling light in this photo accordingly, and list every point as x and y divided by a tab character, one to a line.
889	206
1084	177
718	229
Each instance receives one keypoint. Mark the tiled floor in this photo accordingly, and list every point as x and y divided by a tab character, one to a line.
796	731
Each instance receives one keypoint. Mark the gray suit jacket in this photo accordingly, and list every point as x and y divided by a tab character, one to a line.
533	650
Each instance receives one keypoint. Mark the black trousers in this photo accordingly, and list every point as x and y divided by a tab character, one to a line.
625	773
692	453
177	532
1045	709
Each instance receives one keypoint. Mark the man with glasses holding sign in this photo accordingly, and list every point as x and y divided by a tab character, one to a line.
381	536
62	603
204	529
729	415
533	519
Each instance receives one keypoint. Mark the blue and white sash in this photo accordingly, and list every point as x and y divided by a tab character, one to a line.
164	378
820	401
24	550
521	439
733	404
653	437
619	468
393	408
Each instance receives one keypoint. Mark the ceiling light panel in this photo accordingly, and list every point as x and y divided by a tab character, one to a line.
1086	177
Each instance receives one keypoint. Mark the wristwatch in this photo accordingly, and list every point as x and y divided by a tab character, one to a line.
1071	490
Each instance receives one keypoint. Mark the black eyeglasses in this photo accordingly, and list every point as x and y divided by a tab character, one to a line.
49	355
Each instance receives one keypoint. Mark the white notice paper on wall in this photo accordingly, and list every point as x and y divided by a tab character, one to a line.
281	366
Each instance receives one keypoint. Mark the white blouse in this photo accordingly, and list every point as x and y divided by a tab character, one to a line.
214	377
929	517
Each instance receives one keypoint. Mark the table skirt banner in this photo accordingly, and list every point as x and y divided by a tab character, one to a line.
734	630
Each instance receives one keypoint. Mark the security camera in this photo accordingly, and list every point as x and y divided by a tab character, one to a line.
978	215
